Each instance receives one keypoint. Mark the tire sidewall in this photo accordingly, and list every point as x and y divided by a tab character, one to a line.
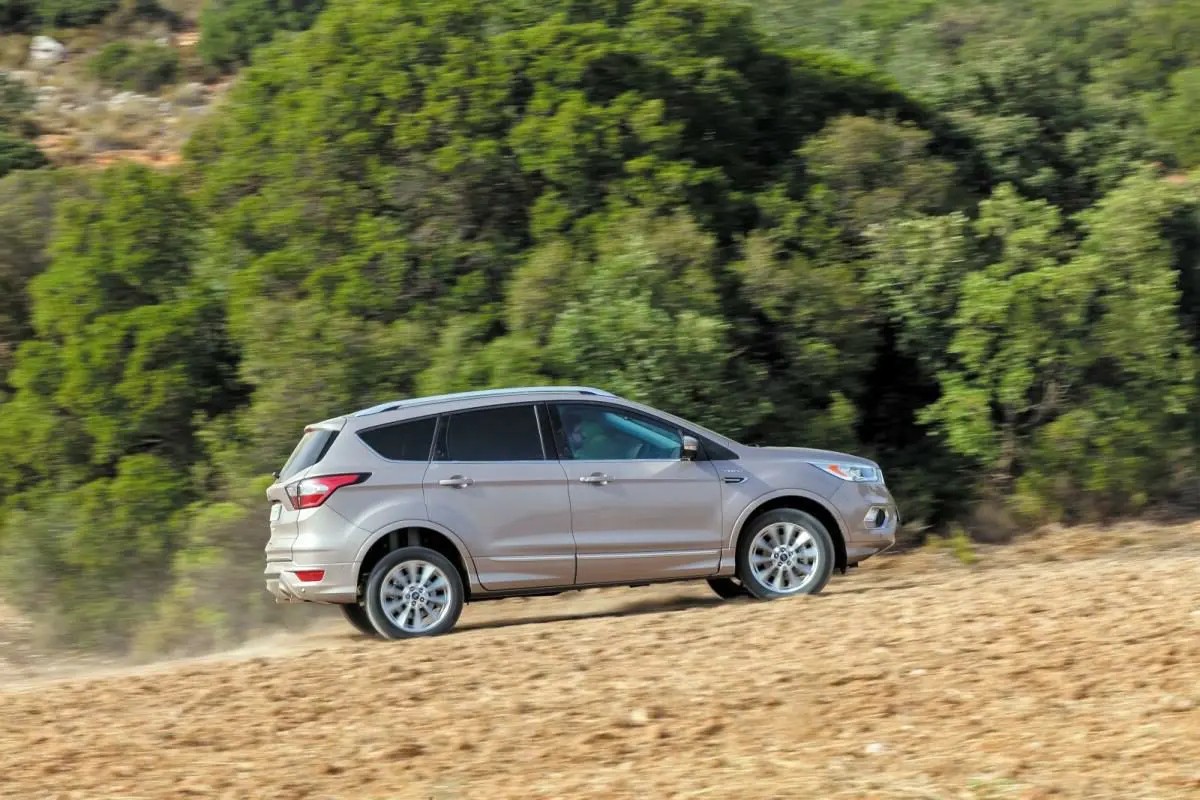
727	588
356	615
825	552
373	602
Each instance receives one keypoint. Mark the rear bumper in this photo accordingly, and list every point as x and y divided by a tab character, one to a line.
337	586
320	539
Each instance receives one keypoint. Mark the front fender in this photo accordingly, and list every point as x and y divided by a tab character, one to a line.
761	500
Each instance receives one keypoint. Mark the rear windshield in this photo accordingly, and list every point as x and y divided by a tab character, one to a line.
309	450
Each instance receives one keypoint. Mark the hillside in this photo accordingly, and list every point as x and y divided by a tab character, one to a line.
959	238
1065	667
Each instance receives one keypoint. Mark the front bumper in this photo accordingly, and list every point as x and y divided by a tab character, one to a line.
871	518
337	586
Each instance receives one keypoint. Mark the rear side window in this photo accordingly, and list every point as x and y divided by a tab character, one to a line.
492	434
403	441
311	448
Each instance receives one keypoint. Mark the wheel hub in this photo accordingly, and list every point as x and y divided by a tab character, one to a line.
784	556
416	596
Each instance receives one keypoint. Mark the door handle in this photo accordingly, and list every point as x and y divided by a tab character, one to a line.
456	481
596	477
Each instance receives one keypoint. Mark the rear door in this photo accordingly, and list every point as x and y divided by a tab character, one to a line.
313	445
492	483
639	512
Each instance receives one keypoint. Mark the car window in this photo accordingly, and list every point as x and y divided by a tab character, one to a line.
598	433
311	448
402	441
508	433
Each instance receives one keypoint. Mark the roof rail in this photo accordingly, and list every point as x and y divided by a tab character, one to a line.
446	398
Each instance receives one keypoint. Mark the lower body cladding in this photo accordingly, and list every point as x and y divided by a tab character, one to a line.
327	583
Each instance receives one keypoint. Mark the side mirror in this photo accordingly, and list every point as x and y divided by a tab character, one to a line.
690	448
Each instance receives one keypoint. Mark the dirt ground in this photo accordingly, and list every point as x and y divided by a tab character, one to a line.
1065	667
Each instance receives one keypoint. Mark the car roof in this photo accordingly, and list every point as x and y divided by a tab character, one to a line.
394	405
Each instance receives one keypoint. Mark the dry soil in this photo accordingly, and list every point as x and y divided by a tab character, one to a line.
1068	666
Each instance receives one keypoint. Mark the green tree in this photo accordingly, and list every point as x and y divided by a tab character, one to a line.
231	29
877	171
1172	119
127	351
1072	374
27	212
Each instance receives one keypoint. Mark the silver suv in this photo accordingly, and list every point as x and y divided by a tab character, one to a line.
402	512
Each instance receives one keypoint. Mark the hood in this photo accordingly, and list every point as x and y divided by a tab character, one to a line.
809	454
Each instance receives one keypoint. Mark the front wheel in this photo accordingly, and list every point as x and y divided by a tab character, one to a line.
414	591
783	553
727	588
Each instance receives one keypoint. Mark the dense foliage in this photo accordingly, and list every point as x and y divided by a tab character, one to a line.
144	67
231	29
16	151
24	14
963	241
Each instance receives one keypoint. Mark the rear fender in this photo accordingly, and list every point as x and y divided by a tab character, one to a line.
384	530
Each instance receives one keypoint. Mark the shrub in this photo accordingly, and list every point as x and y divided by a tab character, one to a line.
230	29
17	153
71	13
15	15
15	101
140	68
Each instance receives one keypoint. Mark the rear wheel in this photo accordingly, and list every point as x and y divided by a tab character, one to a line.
727	588
356	615
414	591
783	553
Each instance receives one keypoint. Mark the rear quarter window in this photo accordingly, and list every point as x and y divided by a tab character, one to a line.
311	448
402	441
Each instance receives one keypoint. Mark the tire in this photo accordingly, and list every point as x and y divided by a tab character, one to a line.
775	549
399	572
727	588
356	615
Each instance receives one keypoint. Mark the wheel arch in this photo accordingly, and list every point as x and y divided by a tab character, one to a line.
424	534
800	501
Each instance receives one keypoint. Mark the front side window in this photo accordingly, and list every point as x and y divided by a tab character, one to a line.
589	432
508	433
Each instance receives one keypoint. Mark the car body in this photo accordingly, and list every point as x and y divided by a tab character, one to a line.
533	490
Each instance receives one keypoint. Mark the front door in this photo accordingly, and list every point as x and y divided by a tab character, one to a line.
638	512
491	482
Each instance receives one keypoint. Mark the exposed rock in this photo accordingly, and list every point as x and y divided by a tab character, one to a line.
45	50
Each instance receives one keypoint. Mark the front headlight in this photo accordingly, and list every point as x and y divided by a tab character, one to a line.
858	473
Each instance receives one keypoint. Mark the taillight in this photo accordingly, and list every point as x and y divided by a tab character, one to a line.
310	575
312	492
